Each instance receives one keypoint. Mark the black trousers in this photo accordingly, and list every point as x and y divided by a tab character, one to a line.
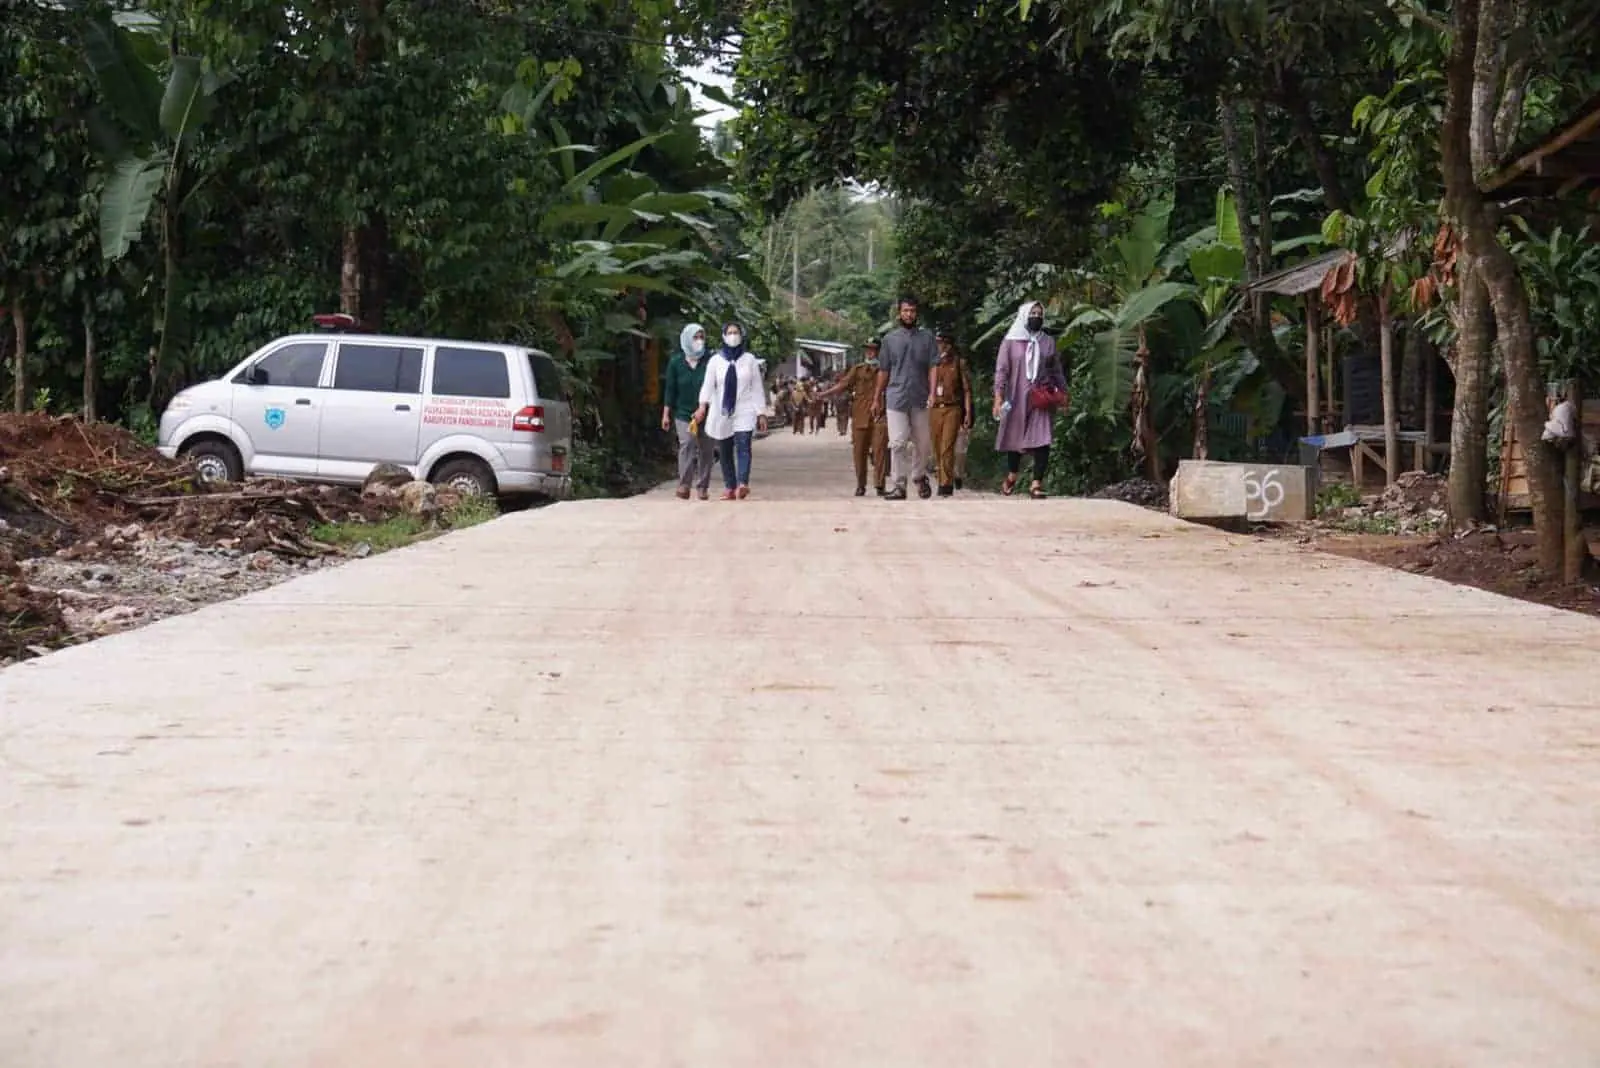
1041	461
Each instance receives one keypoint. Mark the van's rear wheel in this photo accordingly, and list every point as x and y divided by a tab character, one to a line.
215	461
468	477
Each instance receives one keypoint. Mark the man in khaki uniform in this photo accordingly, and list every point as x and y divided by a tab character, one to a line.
802	408
869	437
949	408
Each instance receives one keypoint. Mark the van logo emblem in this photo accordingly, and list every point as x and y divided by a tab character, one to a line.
275	418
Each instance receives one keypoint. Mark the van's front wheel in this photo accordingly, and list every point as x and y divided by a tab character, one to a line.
468	477
215	460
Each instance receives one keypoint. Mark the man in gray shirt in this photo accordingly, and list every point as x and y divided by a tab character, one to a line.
908	351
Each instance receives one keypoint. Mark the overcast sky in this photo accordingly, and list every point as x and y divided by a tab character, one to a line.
704	75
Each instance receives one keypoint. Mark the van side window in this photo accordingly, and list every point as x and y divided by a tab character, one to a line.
297	365
546	376
372	368
459	372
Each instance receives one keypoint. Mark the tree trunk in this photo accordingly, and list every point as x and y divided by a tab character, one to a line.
1391	421
1295	100
19	359
1243	188
350	283
1508	297
1263	188
1202	415
1469	424
91	365
1575	549
375	272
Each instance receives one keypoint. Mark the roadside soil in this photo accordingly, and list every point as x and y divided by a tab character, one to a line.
1406	528
100	533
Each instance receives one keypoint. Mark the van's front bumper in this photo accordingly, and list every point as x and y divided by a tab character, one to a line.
514	483
169	451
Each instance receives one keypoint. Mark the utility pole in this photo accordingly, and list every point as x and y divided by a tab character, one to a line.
870	235
795	291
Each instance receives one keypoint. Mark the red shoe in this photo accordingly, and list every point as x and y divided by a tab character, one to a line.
744	491
729	495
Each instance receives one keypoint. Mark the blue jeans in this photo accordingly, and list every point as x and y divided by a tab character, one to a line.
731	450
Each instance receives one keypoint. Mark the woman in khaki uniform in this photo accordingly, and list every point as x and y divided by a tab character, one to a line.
950	408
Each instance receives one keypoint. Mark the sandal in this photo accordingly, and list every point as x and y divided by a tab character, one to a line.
1036	491
1009	486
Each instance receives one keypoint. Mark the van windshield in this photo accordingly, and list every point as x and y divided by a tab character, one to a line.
546	376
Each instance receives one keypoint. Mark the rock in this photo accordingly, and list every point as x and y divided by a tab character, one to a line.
419	499
361	550
111	617
384	479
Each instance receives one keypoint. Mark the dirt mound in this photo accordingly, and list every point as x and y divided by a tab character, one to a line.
1500	562
1144	493
93	492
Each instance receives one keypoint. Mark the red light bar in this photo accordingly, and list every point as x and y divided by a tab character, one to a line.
335	321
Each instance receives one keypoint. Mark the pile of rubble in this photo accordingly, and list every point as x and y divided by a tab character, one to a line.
1417	503
99	532
1140	491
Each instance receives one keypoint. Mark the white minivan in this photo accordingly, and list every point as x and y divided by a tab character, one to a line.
480	417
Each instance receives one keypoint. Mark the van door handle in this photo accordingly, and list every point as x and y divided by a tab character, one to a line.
402	407
304	400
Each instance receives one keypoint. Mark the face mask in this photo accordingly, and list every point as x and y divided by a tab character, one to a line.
732	339
872	361
1035	323
697	346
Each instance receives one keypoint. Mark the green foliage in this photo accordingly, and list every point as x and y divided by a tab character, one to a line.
1562	273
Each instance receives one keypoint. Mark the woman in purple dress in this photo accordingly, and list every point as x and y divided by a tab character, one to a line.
1027	358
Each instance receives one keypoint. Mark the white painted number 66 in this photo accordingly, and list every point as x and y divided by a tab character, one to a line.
1262	494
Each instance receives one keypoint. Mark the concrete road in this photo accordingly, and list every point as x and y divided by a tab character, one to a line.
811	780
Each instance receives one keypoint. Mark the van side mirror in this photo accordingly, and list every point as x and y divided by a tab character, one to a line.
258	376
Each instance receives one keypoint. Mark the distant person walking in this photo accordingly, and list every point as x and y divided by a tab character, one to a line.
686	373
1029	386
949	407
907	355
733	403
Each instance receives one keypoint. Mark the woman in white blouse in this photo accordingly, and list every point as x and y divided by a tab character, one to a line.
733	403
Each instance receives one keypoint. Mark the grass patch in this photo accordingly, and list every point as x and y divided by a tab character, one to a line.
399	531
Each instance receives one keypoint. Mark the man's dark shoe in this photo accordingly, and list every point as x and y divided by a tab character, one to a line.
924	488
961	483
861	491
896	494
946	490
881	491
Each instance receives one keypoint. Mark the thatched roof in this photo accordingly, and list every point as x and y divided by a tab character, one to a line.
1299	279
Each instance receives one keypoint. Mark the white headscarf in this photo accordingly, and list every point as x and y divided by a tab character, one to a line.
686	344
1019	332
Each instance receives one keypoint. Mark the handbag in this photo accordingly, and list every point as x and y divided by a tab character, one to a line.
1046	398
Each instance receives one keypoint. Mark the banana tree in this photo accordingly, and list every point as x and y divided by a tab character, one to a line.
1135	280
146	128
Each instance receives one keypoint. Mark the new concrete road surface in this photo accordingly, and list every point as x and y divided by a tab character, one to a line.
812	780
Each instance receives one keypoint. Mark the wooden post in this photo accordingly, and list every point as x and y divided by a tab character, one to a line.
1430	399
1330	380
19	361
91	365
1574	547
1391	429
1313	387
